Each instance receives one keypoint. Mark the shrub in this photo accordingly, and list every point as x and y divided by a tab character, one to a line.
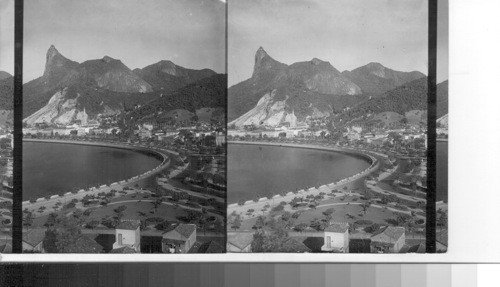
329	211
120	208
278	208
372	228
70	205
300	227
363	222
241	202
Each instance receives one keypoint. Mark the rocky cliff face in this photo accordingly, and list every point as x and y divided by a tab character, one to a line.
69	92
300	81
59	110
113	75
310	89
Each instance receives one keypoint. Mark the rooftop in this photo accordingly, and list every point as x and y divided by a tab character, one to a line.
339	227
389	234
185	230
34	236
124	249
129	224
240	239
210	247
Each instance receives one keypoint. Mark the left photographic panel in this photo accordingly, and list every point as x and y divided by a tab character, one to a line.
124	115
6	122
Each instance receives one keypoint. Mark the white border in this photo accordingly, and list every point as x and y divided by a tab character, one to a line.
474	185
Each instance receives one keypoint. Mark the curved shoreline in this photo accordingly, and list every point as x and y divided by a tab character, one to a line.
140	149
350	152
374	164
165	161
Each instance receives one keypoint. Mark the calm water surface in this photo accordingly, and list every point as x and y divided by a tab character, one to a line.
262	170
51	168
442	171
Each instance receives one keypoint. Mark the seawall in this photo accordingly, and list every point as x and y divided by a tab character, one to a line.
161	154
374	164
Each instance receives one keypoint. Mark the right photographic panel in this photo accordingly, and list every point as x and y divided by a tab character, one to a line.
327	127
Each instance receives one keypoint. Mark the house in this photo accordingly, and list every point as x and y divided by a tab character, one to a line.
128	234
33	240
179	239
442	240
239	242
5	244
6	248
123	250
292	245
210	247
85	244
389	239
336	237
417	248
220	139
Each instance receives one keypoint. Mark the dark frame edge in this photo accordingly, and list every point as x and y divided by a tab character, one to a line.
431	130
17	198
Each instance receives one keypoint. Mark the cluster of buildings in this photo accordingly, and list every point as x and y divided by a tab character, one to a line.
352	134
90	128
127	237
336	239
144	131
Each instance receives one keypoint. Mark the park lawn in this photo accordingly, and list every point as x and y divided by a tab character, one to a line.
137	195
246	225
374	214
168	212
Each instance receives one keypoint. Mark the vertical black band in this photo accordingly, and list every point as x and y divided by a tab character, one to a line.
17	198
431	130
227	110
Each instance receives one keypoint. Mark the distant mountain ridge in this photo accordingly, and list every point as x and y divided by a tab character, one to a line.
4	75
205	98
167	76
69	91
375	79
278	93
6	91
6	99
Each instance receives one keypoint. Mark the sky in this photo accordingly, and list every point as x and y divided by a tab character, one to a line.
442	41
138	32
7	36
347	33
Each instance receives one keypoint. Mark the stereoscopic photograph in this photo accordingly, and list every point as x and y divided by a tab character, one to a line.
6	122
327	126
136	139
124	126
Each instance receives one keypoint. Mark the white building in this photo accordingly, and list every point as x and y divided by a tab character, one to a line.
336	238
128	234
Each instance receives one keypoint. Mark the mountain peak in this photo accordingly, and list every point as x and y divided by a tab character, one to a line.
264	62
260	54
107	59
52	52
55	62
167	63
316	61
375	65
